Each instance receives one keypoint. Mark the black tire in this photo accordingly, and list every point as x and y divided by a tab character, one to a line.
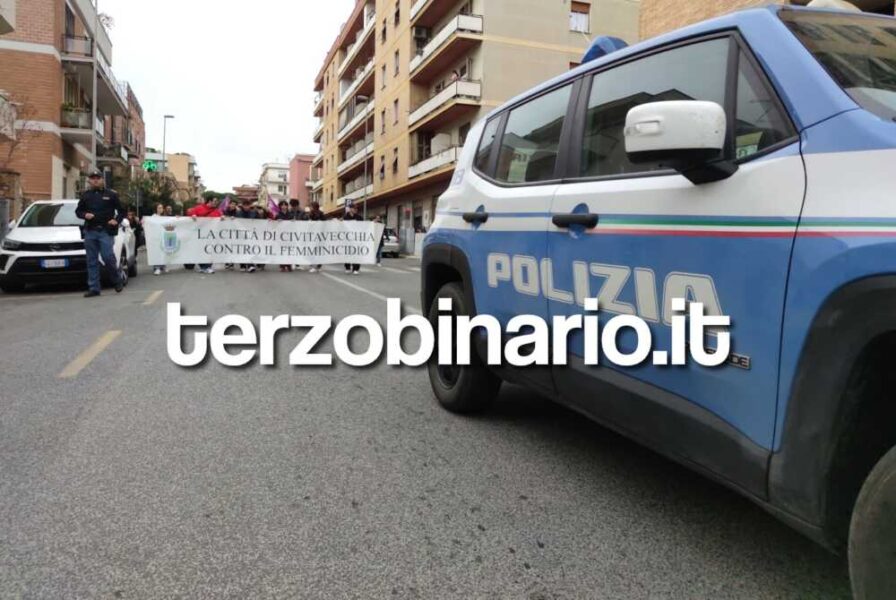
12	287
460	389
872	534
132	268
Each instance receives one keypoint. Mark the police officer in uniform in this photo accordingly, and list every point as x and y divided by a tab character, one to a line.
101	210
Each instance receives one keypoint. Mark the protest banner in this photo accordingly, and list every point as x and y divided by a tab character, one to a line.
183	240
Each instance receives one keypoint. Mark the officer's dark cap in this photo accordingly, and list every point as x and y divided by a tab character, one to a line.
95	173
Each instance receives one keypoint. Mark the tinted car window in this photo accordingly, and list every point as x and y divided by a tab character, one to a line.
485	145
760	123
531	140
858	51
694	72
50	215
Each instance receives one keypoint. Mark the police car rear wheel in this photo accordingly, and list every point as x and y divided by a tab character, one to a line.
872	534
460	389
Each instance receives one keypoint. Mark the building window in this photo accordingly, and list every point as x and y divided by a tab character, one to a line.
383	121
580	17
382	167
383	78
395	161
395	110
383	36
397	12
397	61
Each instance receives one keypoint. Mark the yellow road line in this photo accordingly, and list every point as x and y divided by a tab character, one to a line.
153	297
90	353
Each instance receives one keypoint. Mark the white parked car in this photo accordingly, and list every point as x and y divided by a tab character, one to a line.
45	246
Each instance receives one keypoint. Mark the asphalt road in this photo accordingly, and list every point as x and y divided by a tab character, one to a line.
135	478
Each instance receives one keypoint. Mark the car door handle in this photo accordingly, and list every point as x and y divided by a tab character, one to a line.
586	220
476	217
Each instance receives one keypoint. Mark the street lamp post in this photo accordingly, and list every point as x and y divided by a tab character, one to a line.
164	136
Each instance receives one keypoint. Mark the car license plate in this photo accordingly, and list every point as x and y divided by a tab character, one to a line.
54	263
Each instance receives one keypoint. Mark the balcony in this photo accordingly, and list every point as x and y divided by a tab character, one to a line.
363	41
436	161
446	106
319	104
87	11
116	91
356	156
113	153
77	46
357	189
317	184
354	126
427	13
319	131
363	84
75	126
317	159
451	43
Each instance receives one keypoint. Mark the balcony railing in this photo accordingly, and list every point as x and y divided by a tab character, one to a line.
355	47
350	90
120	89
319	130
456	90
77	45
114	152
364	113
461	23
99	126
357	188
359	153
75	119
445	157
416	6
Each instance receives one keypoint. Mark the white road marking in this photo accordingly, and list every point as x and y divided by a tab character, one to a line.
90	353
395	270
153	297
407	307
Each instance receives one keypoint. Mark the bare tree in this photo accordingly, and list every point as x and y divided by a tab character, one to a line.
23	128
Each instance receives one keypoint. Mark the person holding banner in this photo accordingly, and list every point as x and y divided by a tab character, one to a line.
159	269
246	211
352	215
207	210
284	214
315	214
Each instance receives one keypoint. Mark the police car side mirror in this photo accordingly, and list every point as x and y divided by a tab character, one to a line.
686	135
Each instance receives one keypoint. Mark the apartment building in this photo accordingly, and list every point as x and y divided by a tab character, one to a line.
660	16
274	181
300	182
406	79
182	167
57	70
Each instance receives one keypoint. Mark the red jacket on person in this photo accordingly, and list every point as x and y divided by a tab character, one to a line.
203	210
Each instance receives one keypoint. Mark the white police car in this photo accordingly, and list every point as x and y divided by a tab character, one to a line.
45	246
745	162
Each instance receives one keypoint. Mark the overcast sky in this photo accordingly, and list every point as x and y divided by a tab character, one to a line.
238	76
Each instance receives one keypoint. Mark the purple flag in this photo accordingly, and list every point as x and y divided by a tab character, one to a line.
224	204
272	206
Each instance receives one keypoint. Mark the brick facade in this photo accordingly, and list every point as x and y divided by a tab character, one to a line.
660	16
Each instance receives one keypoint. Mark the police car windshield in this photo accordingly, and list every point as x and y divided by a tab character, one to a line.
50	215
858	51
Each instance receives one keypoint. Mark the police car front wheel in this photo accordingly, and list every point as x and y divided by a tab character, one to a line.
872	534
460	389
